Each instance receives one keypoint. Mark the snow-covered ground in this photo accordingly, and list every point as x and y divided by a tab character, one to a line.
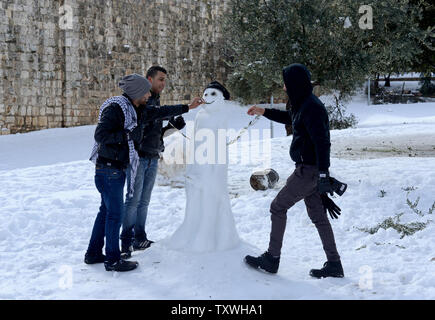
48	203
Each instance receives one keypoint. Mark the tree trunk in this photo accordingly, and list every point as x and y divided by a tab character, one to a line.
377	82
387	81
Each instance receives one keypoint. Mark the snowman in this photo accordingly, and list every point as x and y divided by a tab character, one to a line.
208	224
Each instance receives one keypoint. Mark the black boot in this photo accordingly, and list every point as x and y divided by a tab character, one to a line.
142	244
93	259
266	262
126	251
330	269
121	265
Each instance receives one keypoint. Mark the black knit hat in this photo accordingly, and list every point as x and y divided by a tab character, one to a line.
220	87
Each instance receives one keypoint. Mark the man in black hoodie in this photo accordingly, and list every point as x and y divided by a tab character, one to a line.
310	150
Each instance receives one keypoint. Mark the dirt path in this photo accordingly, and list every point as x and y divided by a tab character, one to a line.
416	145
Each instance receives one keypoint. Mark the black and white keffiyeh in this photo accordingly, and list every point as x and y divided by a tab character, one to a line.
129	124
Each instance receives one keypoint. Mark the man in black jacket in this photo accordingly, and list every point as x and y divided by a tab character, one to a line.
310	150
115	134
133	236
118	134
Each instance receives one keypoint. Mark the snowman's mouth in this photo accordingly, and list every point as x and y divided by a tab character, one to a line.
210	96
209	101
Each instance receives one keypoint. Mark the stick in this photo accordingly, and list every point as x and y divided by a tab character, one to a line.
242	131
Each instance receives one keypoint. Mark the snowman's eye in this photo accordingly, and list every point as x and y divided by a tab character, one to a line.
206	94
213	93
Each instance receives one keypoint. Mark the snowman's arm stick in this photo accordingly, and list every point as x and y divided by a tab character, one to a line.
242	131
179	131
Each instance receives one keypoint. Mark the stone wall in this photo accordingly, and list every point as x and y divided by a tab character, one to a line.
59	60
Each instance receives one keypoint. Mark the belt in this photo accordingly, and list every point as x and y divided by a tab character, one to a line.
305	165
110	164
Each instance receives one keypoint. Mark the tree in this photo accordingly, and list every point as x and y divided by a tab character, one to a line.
425	62
267	35
396	38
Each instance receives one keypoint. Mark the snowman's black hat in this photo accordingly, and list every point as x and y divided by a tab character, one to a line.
220	87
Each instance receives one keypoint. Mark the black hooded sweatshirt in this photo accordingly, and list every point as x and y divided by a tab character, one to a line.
309	118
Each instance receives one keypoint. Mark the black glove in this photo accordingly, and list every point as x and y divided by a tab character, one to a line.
178	123
324	184
333	210
339	187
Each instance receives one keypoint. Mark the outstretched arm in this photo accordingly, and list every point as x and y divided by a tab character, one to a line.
278	116
164	112
167	112
272	114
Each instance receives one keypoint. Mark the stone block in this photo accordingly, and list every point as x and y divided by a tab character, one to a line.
43	122
35	111
28	121
20	121
5	131
49	110
10	119
22	111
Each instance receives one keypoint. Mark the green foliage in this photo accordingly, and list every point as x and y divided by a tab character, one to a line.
397	38
427	87
414	206
263	36
405	229
382	194
338	119
425	61
408	189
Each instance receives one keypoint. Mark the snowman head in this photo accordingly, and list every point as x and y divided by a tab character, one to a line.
215	92
212	95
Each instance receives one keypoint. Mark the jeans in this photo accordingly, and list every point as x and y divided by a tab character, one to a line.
110	183
136	206
302	184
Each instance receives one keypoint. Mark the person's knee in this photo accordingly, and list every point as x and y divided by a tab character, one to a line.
145	198
277	209
133	201
115	215
319	218
143	204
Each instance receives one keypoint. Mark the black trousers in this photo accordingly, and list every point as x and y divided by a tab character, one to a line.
302	184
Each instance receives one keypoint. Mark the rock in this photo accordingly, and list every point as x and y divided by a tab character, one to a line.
263	180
